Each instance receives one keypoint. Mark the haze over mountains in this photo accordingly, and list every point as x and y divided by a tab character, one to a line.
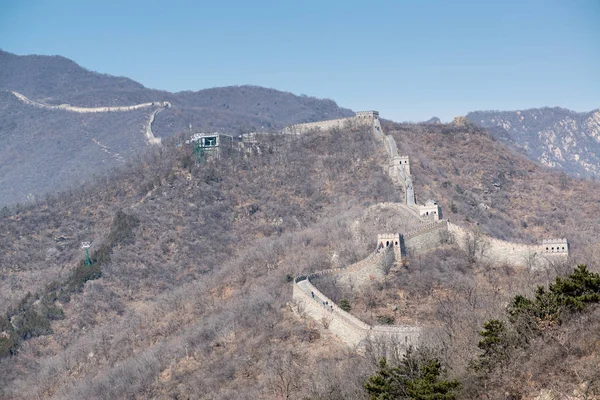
48	151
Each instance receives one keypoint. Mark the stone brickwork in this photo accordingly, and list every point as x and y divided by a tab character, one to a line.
534	256
426	237
68	107
400	208
390	240
361	119
430	210
351	330
399	161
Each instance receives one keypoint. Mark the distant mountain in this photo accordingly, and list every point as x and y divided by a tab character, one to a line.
433	121
47	150
555	137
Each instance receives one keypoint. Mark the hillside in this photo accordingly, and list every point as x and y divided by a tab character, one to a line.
480	181
46	151
209	259
66	136
555	137
196	262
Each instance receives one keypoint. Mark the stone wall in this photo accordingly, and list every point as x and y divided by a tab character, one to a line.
425	238
351	330
68	107
390	146
399	207
496	251
149	134
377	129
428	236
400	161
348	328
362	118
430	210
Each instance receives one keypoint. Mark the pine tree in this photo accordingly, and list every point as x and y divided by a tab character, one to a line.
419	376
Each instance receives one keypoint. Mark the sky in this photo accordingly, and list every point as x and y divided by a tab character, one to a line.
410	60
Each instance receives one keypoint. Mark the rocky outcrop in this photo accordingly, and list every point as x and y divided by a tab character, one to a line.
555	137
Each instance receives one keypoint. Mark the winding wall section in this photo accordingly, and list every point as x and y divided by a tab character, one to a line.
83	110
351	330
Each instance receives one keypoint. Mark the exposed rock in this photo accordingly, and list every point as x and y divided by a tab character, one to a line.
555	137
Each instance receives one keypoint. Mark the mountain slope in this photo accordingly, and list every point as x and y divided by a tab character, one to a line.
196	299
46	151
555	137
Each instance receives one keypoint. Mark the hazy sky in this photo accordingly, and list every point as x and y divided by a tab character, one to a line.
408	59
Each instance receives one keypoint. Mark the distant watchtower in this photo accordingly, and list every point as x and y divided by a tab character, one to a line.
367	115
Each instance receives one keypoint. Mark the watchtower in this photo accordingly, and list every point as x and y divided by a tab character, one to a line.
388	240
555	246
401	161
367	115
431	209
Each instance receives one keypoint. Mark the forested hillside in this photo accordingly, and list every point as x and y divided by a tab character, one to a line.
190	283
44	151
205	273
484	183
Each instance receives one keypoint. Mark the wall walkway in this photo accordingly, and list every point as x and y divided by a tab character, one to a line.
428	236
83	110
351	330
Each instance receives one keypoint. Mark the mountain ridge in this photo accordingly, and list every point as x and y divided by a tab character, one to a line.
553	136
56	80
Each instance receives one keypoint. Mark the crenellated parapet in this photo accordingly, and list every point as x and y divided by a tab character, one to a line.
361	119
431	209
493	250
428	236
350	329
554	246
432	226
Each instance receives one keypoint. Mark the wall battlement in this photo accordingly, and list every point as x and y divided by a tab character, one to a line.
428	236
362	118
494	250
351	330
159	105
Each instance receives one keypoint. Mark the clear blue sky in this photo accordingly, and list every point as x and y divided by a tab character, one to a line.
408	59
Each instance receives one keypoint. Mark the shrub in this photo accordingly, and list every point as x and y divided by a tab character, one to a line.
31	324
385	319
7	346
345	305
81	275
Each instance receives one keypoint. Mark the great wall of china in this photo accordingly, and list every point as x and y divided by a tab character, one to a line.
85	110
432	233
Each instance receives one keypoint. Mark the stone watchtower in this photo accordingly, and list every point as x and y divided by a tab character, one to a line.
555	246
400	161
390	240
431	209
367	116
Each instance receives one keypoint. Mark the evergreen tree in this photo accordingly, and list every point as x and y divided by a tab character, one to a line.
418	376
494	346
